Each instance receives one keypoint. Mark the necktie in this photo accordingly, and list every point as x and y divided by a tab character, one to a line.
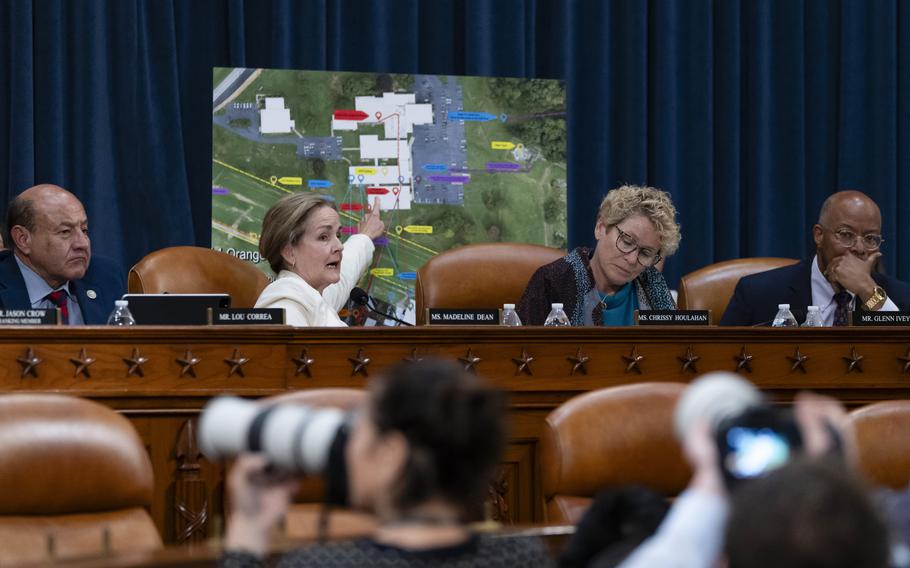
843	308
58	297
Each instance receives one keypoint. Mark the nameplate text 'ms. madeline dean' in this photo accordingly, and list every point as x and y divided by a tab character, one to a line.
448	316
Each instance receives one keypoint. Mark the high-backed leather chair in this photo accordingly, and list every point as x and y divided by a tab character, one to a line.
608	438
711	287
479	276
303	517
197	270
73	472
883	442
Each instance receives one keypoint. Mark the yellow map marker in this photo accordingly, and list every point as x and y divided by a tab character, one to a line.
398	230
501	145
273	179
419	229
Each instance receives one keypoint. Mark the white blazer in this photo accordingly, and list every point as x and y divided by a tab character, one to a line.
303	305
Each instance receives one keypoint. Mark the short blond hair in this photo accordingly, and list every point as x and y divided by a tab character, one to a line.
656	205
284	223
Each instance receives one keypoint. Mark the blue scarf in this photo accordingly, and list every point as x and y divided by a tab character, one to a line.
618	309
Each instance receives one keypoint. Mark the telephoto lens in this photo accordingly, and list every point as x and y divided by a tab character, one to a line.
296	438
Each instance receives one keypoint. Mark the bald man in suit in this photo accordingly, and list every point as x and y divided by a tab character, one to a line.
49	263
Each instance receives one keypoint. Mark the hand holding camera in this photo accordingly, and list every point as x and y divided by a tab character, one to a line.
750	437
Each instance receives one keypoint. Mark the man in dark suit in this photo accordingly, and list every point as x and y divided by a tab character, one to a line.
838	279
50	262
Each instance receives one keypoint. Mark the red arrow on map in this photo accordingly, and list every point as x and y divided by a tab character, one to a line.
351	207
377	191
348	114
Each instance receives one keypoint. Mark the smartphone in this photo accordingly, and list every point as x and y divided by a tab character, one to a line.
755	442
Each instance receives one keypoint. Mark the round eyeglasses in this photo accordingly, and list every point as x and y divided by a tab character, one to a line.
626	243
847	238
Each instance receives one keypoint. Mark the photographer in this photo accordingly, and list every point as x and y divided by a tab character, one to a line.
763	522
420	456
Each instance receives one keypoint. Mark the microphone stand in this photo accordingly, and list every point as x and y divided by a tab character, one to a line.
369	305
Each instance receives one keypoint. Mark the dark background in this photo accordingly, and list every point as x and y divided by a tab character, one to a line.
749	112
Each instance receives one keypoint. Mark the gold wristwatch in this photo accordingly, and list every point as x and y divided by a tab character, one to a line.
876	300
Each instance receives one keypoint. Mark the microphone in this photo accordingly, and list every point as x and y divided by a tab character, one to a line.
360	297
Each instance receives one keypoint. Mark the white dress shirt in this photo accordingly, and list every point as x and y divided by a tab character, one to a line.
823	296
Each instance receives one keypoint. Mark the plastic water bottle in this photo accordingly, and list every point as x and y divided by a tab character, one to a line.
784	317
121	314
510	316
557	317
813	317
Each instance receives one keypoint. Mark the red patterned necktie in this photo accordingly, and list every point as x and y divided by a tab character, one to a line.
58	297
843	308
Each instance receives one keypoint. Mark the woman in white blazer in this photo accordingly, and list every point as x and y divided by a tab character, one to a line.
301	241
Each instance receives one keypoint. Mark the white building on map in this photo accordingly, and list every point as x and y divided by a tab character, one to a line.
398	113
274	118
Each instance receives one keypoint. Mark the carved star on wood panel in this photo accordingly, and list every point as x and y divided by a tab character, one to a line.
579	362
189	362
470	360
798	360
523	363
236	363
854	361
905	360
30	363
134	363
82	363
359	363
743	361
413	357
633	360
688	360
303	362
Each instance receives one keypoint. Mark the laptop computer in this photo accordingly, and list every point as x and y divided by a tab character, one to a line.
174	309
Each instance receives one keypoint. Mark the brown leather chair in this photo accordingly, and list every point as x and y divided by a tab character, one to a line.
479	276
882	433
608	438
197	270
711	287
303	516
72	472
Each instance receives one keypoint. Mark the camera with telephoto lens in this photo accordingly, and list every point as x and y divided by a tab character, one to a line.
293	437
759	439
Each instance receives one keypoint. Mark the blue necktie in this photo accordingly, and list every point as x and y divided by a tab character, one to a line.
843	308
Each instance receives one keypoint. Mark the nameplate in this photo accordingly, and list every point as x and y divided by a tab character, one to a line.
447	316
29	317
873	319
246	316
673	317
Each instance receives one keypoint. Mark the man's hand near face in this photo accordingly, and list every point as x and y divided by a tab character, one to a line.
853	274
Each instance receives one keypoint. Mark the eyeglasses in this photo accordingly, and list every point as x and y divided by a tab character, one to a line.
847	238
626	243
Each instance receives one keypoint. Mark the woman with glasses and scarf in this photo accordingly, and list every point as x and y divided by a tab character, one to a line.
636	228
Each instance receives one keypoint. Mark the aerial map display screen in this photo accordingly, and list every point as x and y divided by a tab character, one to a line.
453	161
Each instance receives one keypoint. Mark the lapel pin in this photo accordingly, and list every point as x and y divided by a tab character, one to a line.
91	294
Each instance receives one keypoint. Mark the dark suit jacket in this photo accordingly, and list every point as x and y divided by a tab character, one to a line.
756	297
102	277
